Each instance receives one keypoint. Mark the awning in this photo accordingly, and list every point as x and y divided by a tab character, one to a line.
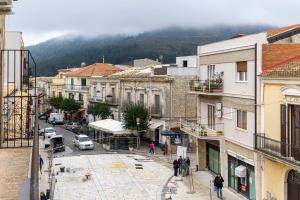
110	126
154	124
167	132
241	171
79	111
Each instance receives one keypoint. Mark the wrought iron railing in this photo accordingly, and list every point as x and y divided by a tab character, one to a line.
156	111
77	88
207	86
283	150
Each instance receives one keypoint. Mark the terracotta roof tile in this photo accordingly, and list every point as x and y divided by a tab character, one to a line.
274	54
289	69
97	69
281	30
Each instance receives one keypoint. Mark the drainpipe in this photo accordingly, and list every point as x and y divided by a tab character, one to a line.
255	98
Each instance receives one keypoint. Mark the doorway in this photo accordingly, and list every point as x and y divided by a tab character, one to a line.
293	185
156	132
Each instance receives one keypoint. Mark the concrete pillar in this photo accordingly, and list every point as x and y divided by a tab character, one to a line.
201	154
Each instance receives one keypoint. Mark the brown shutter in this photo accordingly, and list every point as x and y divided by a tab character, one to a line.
283	129
241	66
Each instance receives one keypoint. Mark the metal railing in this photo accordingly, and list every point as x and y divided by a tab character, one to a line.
206	86
282	150
77	88
95	99
197	129
156	111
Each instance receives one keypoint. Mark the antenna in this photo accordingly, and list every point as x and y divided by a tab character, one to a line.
103	59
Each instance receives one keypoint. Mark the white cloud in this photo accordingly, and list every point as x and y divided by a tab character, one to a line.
92	17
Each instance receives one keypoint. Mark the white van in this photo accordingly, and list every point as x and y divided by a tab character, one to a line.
49	132
56	118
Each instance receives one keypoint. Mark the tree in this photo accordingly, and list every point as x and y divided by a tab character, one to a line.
69	105
56	102
136	117
99	109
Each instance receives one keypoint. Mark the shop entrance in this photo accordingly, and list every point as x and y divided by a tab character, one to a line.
244	185
293	185
213	158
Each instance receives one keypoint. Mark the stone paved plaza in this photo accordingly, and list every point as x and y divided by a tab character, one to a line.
113	177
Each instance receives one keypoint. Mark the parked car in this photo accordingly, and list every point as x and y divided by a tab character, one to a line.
56	118
57	143
72	125
49	132
83	142
46	130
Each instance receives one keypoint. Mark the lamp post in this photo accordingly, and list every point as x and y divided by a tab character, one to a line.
138	122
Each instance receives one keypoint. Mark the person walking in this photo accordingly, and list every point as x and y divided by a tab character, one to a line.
151	147
218	184
41	163
180	164
188	162
175	167
43	196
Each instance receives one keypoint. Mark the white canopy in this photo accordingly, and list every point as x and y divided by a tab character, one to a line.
110	126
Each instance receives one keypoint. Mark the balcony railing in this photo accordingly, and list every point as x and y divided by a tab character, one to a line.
77	88
95	99
156	111
212	85
80	102
111	100
202	130
282	150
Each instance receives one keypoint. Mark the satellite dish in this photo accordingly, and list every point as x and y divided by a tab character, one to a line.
83	64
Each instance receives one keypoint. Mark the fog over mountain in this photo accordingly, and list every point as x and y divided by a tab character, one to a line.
72	50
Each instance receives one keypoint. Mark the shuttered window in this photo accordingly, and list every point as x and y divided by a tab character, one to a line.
241	68
242	119
283	129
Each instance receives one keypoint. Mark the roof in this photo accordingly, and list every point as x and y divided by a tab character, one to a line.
289	69
278	31
97	69
274	54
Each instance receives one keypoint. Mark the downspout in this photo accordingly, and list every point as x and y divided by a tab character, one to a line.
255	98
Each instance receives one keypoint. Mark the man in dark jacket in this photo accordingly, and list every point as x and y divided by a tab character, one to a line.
175	167
180	164
218	183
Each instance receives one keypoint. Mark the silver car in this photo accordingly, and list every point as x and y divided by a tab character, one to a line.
72	125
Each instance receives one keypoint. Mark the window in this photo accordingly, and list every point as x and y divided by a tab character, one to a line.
94	91
211	116
80	97
53	93
83	82
157	101
128	97
71	96
141	101
242	119
60	94
241	69
210	72
185	63
103	92
113	92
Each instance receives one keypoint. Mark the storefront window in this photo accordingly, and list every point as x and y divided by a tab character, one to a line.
243	185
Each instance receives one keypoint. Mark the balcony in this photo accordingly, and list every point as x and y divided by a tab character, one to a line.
78	88
211	86
111	100
95	99
202	131
280	150
80	102
156	111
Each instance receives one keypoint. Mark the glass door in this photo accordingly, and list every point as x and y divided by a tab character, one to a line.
252	193
213	158
232	179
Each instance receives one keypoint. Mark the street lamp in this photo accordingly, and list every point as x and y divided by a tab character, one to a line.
138	122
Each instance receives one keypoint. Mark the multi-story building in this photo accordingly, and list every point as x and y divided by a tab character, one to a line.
77	82
57	85
162	94
228	115
105	89
279	144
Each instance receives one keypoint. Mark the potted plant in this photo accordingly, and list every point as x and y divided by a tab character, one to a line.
219	133
130	144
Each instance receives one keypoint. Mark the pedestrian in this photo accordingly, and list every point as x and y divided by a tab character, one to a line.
188	162
43	196
151	147
175	167
180	164
218	184
53	121
41	163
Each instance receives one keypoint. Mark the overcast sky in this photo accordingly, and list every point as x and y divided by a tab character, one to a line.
40	20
